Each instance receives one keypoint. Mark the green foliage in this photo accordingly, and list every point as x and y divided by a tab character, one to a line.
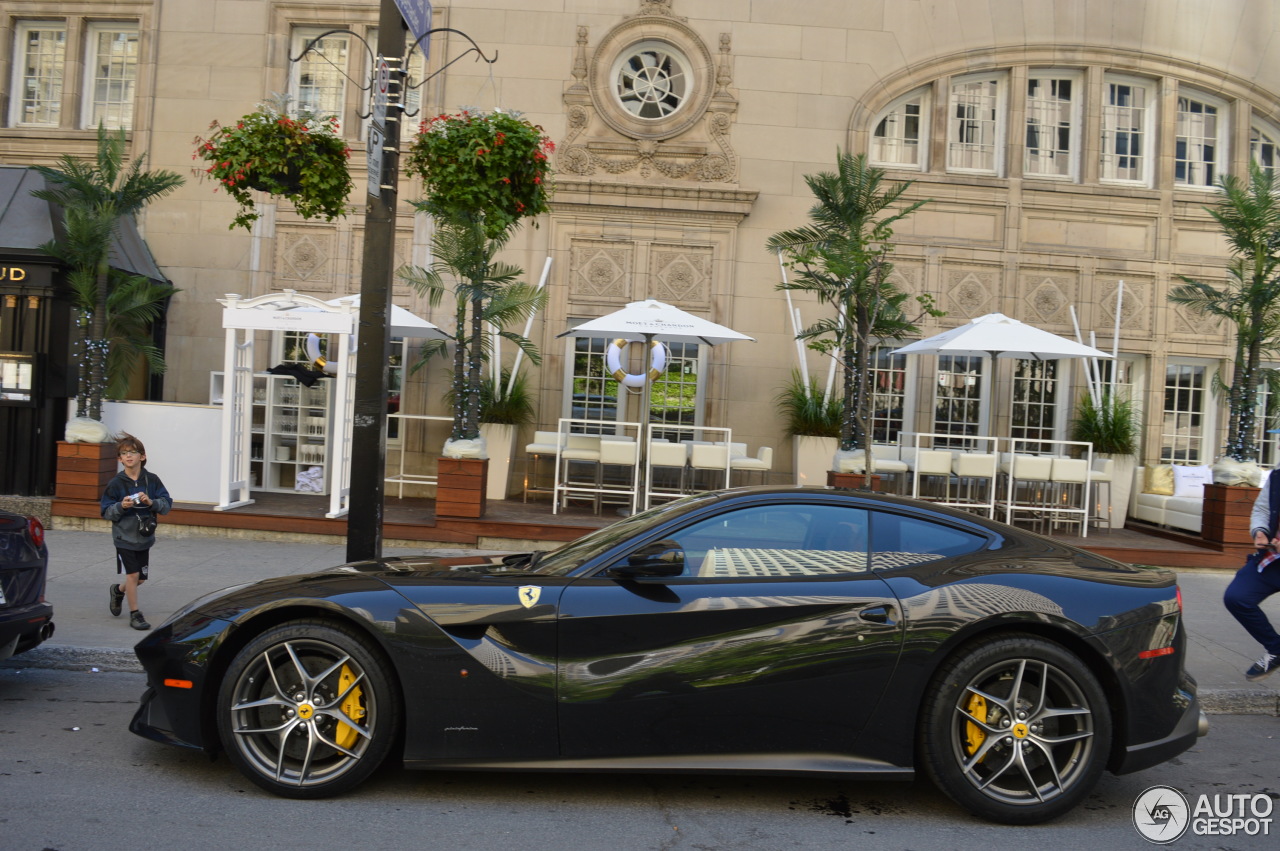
804	410
300	158
498	405
492	167
485	290
94	196
1110	424
1249	217
842	257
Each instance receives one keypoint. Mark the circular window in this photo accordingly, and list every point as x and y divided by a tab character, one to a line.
652	80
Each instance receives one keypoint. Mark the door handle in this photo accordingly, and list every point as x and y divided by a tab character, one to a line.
876	614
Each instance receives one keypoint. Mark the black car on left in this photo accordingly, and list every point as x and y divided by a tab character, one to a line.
26	618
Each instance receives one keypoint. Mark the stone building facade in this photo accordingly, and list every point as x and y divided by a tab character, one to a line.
1065	146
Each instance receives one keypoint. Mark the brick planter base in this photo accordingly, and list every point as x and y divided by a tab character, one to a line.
1225	518
852	481
84	469
461	484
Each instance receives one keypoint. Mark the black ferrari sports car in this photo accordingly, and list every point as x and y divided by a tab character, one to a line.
26	617
768	630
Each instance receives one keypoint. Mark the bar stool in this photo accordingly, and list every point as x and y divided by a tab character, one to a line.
545	443
710	456
762	463
1027	486
976	469
579	449
623	455
665	456
1101	478
932	464
1070	491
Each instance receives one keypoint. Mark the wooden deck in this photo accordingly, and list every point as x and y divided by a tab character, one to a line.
513	524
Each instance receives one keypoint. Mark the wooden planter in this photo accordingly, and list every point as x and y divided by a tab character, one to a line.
461	485
84	469
852	481
1225	518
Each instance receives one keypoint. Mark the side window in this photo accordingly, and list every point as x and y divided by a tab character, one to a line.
899	541
777	541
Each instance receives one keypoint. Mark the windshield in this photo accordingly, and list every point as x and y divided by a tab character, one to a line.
566	559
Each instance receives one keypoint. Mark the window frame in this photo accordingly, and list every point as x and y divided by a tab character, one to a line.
1180	438
1221	138
1264	129
299	36
999	121
1075	127
1147	130
89	103
924	130
18	77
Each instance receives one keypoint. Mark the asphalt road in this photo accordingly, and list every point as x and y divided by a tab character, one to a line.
73	779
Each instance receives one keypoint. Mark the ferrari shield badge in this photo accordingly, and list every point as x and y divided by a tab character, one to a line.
529	595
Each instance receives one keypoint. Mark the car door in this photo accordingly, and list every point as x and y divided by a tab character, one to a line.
775	637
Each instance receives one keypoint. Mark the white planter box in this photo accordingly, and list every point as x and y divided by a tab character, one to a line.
500	442
812	458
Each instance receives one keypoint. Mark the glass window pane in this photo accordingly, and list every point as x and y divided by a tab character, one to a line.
1049	127
37	90
319	78
112	70
1262	147
1124	137
1196	145
896	139
958	400
974	125
1182	439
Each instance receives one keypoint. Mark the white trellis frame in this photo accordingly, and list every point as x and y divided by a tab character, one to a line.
283	311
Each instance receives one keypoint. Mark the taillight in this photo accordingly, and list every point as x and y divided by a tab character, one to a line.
36	530
1178	588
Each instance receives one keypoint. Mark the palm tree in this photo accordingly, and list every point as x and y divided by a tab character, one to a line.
95	195
485	291
1249	216
842	257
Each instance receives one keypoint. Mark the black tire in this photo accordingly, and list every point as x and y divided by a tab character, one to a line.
308	709
1015	729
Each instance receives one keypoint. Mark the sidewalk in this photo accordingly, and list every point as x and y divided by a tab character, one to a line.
81	566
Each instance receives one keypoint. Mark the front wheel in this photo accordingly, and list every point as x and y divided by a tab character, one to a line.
308	709
1015	729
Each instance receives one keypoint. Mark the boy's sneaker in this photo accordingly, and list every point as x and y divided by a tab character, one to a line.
137	621
117	599
1263	667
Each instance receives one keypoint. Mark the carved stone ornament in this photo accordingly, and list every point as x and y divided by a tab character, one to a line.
650	100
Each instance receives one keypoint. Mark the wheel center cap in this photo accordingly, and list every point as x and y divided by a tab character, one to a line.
1020	731
305	711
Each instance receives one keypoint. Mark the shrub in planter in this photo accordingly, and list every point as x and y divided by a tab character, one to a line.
301	158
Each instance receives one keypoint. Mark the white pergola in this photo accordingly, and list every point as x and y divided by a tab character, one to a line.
283	311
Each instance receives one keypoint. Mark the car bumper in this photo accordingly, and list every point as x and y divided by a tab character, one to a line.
25	627
1192	725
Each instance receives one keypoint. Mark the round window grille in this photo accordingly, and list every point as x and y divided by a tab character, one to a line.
652	80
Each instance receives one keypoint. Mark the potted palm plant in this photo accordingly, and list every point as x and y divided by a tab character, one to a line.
298	157
505	405
1111	424
811	419
482	175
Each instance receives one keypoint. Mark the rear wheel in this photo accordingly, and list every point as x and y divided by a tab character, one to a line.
308	709
1015	729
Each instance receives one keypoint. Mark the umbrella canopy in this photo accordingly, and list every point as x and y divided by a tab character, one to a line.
998	336
403	323
653	320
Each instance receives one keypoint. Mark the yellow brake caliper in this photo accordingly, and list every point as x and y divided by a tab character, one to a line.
973	734
352	707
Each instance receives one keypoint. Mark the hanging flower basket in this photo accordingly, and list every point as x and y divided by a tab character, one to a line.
493	166
300	158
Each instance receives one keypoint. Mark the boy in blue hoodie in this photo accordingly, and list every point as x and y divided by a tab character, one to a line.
130	502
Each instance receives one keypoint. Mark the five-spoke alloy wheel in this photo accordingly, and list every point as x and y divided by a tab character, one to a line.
1015	729
308	709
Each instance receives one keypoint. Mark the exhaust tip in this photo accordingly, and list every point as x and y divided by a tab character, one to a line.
46	631
1202	728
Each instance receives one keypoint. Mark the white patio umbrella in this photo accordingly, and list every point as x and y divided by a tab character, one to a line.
651	320
403	323
998	336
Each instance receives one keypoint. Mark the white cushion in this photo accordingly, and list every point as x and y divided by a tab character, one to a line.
1189	481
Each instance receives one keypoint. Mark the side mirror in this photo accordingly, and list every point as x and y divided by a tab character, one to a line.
660	558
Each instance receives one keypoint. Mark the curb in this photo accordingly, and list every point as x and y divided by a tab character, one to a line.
1214	701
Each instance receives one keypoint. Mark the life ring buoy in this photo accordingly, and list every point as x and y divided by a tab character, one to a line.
613	362
317	360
